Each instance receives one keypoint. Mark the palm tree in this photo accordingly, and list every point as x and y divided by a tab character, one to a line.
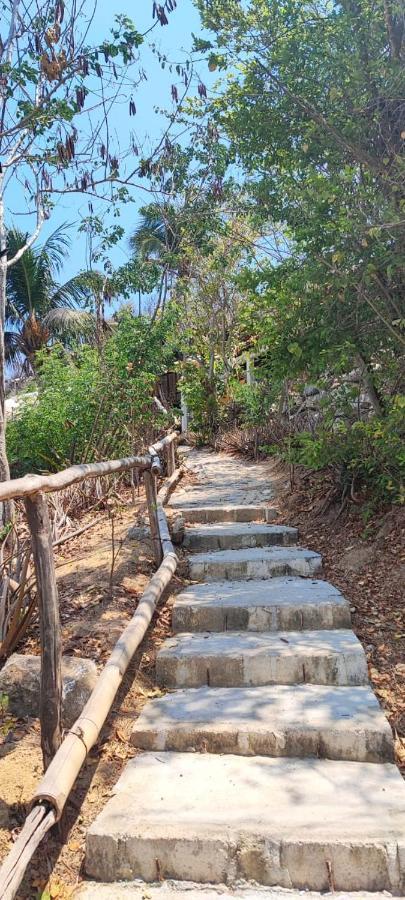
38	308
158	232
158	240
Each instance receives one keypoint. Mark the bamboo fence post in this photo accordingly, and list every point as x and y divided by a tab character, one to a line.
171	458
151	499
51	674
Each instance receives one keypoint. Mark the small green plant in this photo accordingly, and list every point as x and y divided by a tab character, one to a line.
368	455
7	721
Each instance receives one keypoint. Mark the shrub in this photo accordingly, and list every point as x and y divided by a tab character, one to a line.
367	455
89	406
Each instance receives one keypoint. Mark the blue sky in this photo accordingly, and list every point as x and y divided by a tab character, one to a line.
174	40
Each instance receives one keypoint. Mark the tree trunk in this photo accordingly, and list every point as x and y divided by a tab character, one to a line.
369	384
6	508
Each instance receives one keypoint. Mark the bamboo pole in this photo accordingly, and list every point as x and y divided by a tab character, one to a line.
171	458
39	821
53	791
30	484
50	703
164	442
169	485
150	490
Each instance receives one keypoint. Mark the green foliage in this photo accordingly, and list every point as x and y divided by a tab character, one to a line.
202	395
89	406
368	455
253	402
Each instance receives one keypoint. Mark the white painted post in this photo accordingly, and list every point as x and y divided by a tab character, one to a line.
184	414
250	374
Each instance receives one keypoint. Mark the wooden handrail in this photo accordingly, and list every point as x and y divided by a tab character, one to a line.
31	484
51	795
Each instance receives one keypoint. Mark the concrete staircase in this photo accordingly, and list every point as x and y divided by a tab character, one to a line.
267	770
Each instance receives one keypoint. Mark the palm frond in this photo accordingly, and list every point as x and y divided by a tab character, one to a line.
13	347
69	323
53	250
74	292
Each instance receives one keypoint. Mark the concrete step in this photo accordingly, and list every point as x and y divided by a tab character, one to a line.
236	659
185	890
299	720
225	513
260	562
280	603
234	536
304	824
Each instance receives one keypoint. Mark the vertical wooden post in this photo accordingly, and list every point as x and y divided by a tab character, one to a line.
150	489
171	458
49	622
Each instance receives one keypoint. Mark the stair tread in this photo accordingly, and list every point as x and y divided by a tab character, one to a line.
254	563
249	643
289	589
267	819
249	554
232	659
224	512
233	535
274	604
282	720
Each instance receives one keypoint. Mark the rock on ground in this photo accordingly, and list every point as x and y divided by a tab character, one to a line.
20	681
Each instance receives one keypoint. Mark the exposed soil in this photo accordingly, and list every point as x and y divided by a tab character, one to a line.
367	563
92	620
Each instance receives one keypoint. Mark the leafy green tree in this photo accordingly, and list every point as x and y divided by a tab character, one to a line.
93	405
57	89
312	109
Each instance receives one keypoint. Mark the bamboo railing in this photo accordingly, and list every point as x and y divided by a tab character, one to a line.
63	759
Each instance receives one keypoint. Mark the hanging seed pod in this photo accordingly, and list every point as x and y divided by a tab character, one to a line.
59	11
115	71
60	151
98	69
175	95
37	43
132	108
103	151
84	65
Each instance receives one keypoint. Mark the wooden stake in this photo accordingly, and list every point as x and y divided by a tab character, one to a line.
171	458
150	490
51	675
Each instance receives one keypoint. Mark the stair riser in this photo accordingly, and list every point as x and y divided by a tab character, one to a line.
204	543
228	857
210	514
353	745
260	669
249	570
260	619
